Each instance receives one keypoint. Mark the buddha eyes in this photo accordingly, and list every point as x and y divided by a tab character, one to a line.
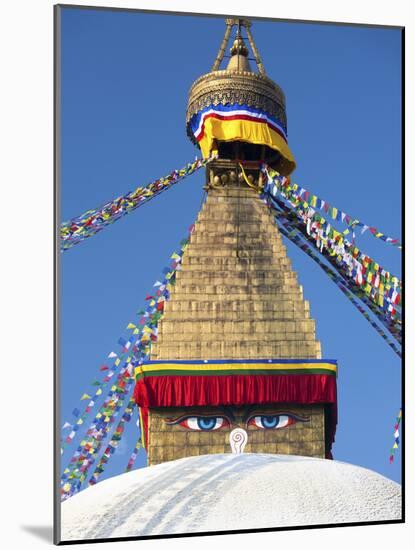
272	422
261	421
202	423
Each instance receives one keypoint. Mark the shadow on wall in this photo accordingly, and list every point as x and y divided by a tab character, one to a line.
43	532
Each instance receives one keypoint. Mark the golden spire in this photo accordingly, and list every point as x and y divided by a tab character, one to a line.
238	84
230	23
239	60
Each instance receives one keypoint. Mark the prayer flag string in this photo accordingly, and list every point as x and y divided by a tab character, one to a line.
89	223
396	436
292	232
79	418
301	195
145	332
293	235
295	224
113	443
379	286
84	456
134	454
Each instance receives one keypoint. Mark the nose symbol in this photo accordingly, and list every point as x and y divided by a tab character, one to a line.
238	438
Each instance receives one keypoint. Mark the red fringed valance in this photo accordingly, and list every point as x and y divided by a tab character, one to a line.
188	391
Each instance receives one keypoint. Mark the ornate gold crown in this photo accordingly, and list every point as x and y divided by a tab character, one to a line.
237	83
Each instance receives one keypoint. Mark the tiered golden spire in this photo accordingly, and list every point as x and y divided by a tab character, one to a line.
252	93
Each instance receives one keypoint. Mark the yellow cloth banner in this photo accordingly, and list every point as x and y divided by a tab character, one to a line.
258	133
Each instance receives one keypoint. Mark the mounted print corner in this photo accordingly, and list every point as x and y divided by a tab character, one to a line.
232	349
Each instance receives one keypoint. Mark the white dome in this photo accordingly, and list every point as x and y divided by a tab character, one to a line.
229	492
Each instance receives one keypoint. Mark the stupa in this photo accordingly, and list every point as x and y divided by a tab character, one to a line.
237	366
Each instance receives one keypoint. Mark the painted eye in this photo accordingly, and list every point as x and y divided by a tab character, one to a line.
204	423
272	422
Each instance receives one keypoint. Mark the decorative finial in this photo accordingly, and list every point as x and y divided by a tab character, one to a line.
239	47
239	52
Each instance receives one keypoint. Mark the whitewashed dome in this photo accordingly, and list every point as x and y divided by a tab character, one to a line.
230	492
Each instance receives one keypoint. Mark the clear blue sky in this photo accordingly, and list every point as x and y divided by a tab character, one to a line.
125	79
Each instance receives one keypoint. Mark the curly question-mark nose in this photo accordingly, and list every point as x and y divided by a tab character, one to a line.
238	438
